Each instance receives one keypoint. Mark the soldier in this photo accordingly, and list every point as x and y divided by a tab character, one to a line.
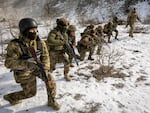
20	60
108	30
100	34
55	42
88	29
86	44
114	27
72	40
131	19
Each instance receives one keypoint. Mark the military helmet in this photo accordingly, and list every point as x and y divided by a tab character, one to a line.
62	22
27	23
92	31
115	18
99	27
91	26
134	10
72	28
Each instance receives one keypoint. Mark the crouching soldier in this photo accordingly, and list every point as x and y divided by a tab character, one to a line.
20	58
100	34
86	44
108	30
55	42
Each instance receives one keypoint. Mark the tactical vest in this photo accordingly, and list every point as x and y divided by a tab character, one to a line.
25	50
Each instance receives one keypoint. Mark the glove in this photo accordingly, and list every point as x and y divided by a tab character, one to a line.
31	60
33	66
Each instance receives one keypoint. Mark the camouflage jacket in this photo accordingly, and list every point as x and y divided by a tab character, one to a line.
87	41
115	24
131	19
20	66
56	40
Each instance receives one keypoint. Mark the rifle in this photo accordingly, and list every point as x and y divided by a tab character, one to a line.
43	73
68	48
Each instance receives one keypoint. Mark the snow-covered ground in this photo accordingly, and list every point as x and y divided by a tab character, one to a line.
85	94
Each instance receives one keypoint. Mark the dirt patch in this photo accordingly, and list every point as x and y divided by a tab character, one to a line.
86	77
147	84
119	85
90	108
78	96
141	78
89	67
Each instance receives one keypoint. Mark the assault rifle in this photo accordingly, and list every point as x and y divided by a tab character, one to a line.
43	73
68	48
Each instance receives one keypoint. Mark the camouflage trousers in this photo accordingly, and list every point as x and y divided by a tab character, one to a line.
116	31
132	26
82	51
59	57
99	48
29	89
108	33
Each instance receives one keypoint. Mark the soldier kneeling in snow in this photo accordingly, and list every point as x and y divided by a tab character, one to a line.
20	60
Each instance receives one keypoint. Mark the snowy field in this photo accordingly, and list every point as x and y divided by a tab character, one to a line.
85	94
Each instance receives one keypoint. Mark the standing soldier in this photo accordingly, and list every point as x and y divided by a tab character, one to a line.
131	19
114	27
20	60
72	40
55	42
108	30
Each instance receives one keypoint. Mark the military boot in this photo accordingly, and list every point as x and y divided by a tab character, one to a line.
10	99
54	104
109	41
67	77
90	58
130	35
71	65
116	38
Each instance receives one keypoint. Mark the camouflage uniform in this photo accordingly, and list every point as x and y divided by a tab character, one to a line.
88	29
100	34
114	27
72	40
55	42
131	19
86	44
20	61
108	30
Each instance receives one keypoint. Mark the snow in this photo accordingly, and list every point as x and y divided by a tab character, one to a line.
85	94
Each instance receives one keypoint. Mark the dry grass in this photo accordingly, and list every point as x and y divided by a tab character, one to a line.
106	71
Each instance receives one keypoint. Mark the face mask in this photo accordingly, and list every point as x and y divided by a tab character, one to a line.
31	36
63	28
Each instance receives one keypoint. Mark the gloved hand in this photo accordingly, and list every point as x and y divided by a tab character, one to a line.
32	66
31	60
